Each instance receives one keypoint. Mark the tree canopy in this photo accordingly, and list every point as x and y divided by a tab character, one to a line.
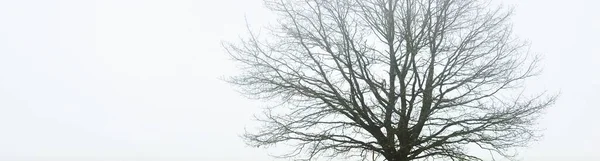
396	80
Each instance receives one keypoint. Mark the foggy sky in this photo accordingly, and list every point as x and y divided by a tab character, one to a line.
142	79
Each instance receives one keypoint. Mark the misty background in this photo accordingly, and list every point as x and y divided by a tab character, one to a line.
142	79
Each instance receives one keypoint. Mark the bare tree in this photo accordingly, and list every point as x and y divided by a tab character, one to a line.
396	80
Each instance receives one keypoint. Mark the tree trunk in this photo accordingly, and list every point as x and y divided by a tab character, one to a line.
398	158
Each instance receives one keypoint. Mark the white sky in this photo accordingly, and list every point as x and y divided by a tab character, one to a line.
140	79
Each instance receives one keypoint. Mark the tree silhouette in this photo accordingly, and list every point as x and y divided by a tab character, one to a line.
396	80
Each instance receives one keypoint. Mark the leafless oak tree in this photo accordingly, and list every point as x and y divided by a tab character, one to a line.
393	80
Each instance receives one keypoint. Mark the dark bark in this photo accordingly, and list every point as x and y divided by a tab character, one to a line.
396	80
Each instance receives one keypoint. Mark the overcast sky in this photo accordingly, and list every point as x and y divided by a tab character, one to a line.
140	79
